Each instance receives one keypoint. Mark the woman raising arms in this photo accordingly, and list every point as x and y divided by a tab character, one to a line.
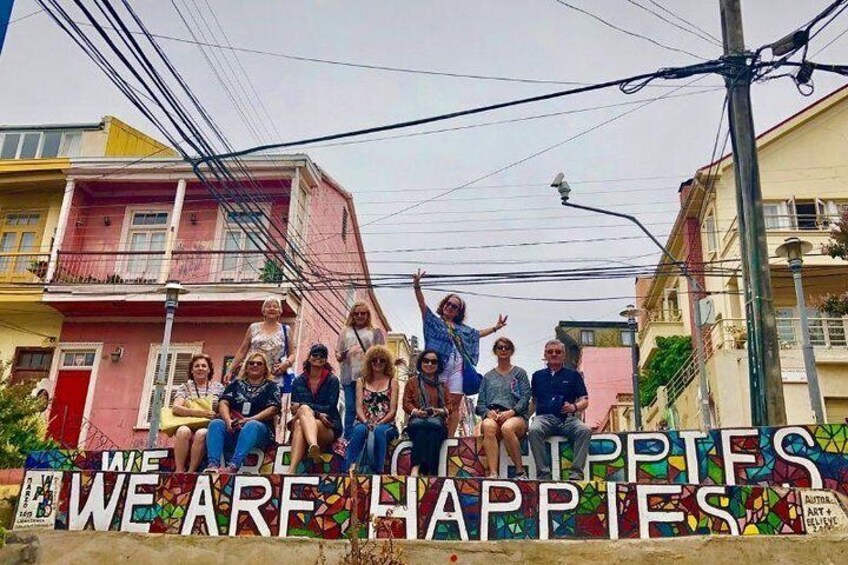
446	333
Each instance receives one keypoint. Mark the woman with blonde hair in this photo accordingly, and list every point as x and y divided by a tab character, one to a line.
376	407
199	389
271	337
355	338
247	409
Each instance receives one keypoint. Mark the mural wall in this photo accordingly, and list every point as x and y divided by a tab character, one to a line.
404	507
798	456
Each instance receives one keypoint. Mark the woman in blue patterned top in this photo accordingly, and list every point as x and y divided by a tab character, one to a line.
446	333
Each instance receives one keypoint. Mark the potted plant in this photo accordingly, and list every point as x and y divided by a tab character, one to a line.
38	268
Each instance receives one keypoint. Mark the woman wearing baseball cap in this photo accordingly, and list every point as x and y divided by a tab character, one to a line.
316	422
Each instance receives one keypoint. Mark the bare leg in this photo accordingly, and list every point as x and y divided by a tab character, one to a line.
181	442
453	418
198	450
489	428
298	446
512	431
308	424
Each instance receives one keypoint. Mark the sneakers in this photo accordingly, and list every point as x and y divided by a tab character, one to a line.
231	469
314	454
212	469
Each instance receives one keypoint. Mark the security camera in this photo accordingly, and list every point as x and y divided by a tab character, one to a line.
562	186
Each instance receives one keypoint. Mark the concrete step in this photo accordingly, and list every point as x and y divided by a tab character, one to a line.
333	507
794	456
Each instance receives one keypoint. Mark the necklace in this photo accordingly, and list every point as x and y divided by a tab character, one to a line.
197	391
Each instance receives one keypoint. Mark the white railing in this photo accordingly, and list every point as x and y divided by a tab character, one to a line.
824	332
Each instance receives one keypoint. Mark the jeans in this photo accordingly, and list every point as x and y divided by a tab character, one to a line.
252	434
349	408
427	435
378	443
572	428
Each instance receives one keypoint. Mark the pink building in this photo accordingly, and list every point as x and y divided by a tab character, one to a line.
127	227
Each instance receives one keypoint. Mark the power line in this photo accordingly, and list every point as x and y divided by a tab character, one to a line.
628	32
709	40
687	22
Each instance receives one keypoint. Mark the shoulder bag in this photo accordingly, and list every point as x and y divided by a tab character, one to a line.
471	378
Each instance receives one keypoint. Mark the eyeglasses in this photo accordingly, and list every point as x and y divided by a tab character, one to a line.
452	306
256	363
429	361
553	352
379	361
357	314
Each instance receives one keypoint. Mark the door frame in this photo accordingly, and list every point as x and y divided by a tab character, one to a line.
66	347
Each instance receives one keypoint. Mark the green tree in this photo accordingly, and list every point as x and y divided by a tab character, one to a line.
671	355
22	427
837	247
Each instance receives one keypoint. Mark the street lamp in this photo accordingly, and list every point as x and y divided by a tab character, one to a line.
564	189
172	290
630	313
793	250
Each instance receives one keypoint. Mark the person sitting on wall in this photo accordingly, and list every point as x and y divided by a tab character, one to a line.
376	407
199	389
560	396
316	422
503	402
426	400
247	409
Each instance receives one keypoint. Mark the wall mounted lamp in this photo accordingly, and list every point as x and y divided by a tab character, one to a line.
116	355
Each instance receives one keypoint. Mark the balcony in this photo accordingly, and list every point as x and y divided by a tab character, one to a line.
23	267
197	266
660	324
829	337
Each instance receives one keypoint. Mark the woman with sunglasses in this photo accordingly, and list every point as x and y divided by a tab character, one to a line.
453	340
376	406
198	396
247	410
504	403
316	422
271	337
425	400
356	337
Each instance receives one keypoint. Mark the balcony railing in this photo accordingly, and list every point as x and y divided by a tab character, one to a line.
824	332
150	267
23	267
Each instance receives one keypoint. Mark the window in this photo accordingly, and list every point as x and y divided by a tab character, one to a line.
176	373
146	243
711	234
772	214
626	338
806	215
78	359
671	305
344	224
587	337
20	233
31	364
244	259
39	144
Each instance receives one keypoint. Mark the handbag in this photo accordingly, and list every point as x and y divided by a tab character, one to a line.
169	422
471	379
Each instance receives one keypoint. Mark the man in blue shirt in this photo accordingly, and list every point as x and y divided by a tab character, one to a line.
560	396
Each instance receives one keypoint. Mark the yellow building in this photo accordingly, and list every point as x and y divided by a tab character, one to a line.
805	188
33	165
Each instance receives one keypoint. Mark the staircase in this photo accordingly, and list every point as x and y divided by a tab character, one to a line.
760	481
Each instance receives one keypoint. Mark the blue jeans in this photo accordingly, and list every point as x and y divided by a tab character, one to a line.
350	408
252	434
382	435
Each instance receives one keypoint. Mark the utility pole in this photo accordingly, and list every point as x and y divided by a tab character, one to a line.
5	18
766	384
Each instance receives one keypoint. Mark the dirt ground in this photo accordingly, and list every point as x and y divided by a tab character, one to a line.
107	547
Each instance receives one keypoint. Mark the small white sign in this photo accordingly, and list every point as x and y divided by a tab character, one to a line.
794	376
823	513
39	500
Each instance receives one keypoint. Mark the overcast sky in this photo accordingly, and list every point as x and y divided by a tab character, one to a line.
634	163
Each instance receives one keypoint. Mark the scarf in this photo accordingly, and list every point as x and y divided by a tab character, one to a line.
319	383
422	395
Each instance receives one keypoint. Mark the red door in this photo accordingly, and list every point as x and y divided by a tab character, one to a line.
68	406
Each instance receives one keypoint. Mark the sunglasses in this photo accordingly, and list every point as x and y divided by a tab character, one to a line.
319	355
256	363
553	352
452	306
429	361
378	361
360	314
503	348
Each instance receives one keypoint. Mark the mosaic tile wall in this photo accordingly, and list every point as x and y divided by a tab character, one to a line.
800	456
403	507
